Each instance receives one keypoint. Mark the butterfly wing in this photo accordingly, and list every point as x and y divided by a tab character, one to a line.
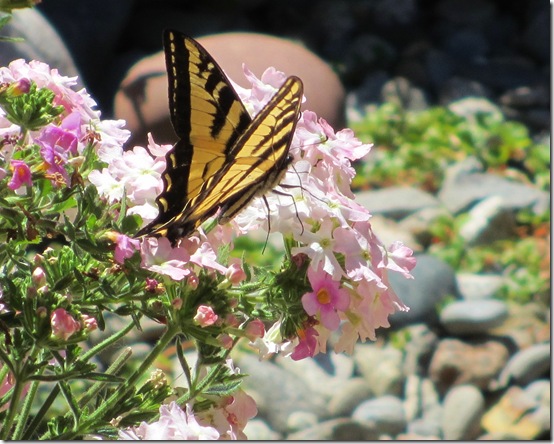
223	157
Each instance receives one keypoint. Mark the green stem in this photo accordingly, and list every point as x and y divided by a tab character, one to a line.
123	391
42	412
107	342
22	420
13	408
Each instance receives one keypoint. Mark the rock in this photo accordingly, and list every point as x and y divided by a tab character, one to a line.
370	89
463	408
456	362
473	317
401	91
420	222
348	397
471	108
474	286
467	44
277	392
339	429
299	420
459	88
517	415
419	348
386	412
489	221
463	187
526	365
381	368
257	430
434	280
396	202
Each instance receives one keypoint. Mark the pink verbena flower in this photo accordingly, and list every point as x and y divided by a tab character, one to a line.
21	175
307	345
63	324
205	316
174	424
158	255
125	247
326	298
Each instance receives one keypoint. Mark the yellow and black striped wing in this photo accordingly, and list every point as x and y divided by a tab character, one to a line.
223	158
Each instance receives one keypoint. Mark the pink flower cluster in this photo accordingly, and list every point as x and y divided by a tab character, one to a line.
60	141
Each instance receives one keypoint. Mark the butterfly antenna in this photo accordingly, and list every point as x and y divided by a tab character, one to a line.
268	223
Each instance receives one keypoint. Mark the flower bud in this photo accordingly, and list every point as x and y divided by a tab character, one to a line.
38	277
235	274
89	322
225	340
254	330
205	316
63	325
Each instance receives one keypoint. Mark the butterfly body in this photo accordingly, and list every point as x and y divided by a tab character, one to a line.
224	157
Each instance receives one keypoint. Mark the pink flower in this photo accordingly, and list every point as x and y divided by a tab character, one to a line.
160	257
63	325
89	322
174	424
235	273
254	329
205	316
326	299
307	346
125	247
21	175
38	277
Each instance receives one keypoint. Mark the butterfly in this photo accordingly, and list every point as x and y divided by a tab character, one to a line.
224	157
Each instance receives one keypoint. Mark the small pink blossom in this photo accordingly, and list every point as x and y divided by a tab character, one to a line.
235	273
89	322
174	424
63	325
326	298
38	277
205	316
159	256
254	329
125	247
21	175
226	341
307	345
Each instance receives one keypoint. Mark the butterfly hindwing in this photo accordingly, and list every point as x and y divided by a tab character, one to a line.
224	157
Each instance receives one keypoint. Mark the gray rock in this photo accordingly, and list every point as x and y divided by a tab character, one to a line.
352	393
380	367
339	429
462	188
277	392
473	316
489	221
386	412
425	428
419	348
539	390
396	202
401	91
463	409
434	280
526	365
459	88
299	420
419	224
479	286
420	398
258	430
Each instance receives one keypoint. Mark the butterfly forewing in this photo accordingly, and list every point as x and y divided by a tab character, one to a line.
223	157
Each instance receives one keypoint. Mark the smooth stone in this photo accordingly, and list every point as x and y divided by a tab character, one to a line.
474	286
299	420
419	348
419	224
472	317
258	430
456	362
338	429
420	397
526	365
278	392
464	186
396	202
459	88
489	221
422	429
463	409
517	414
401	91
346	398
434	281
380	367
539	391
386	412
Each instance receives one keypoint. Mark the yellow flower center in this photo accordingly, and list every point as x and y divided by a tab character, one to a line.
323	296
